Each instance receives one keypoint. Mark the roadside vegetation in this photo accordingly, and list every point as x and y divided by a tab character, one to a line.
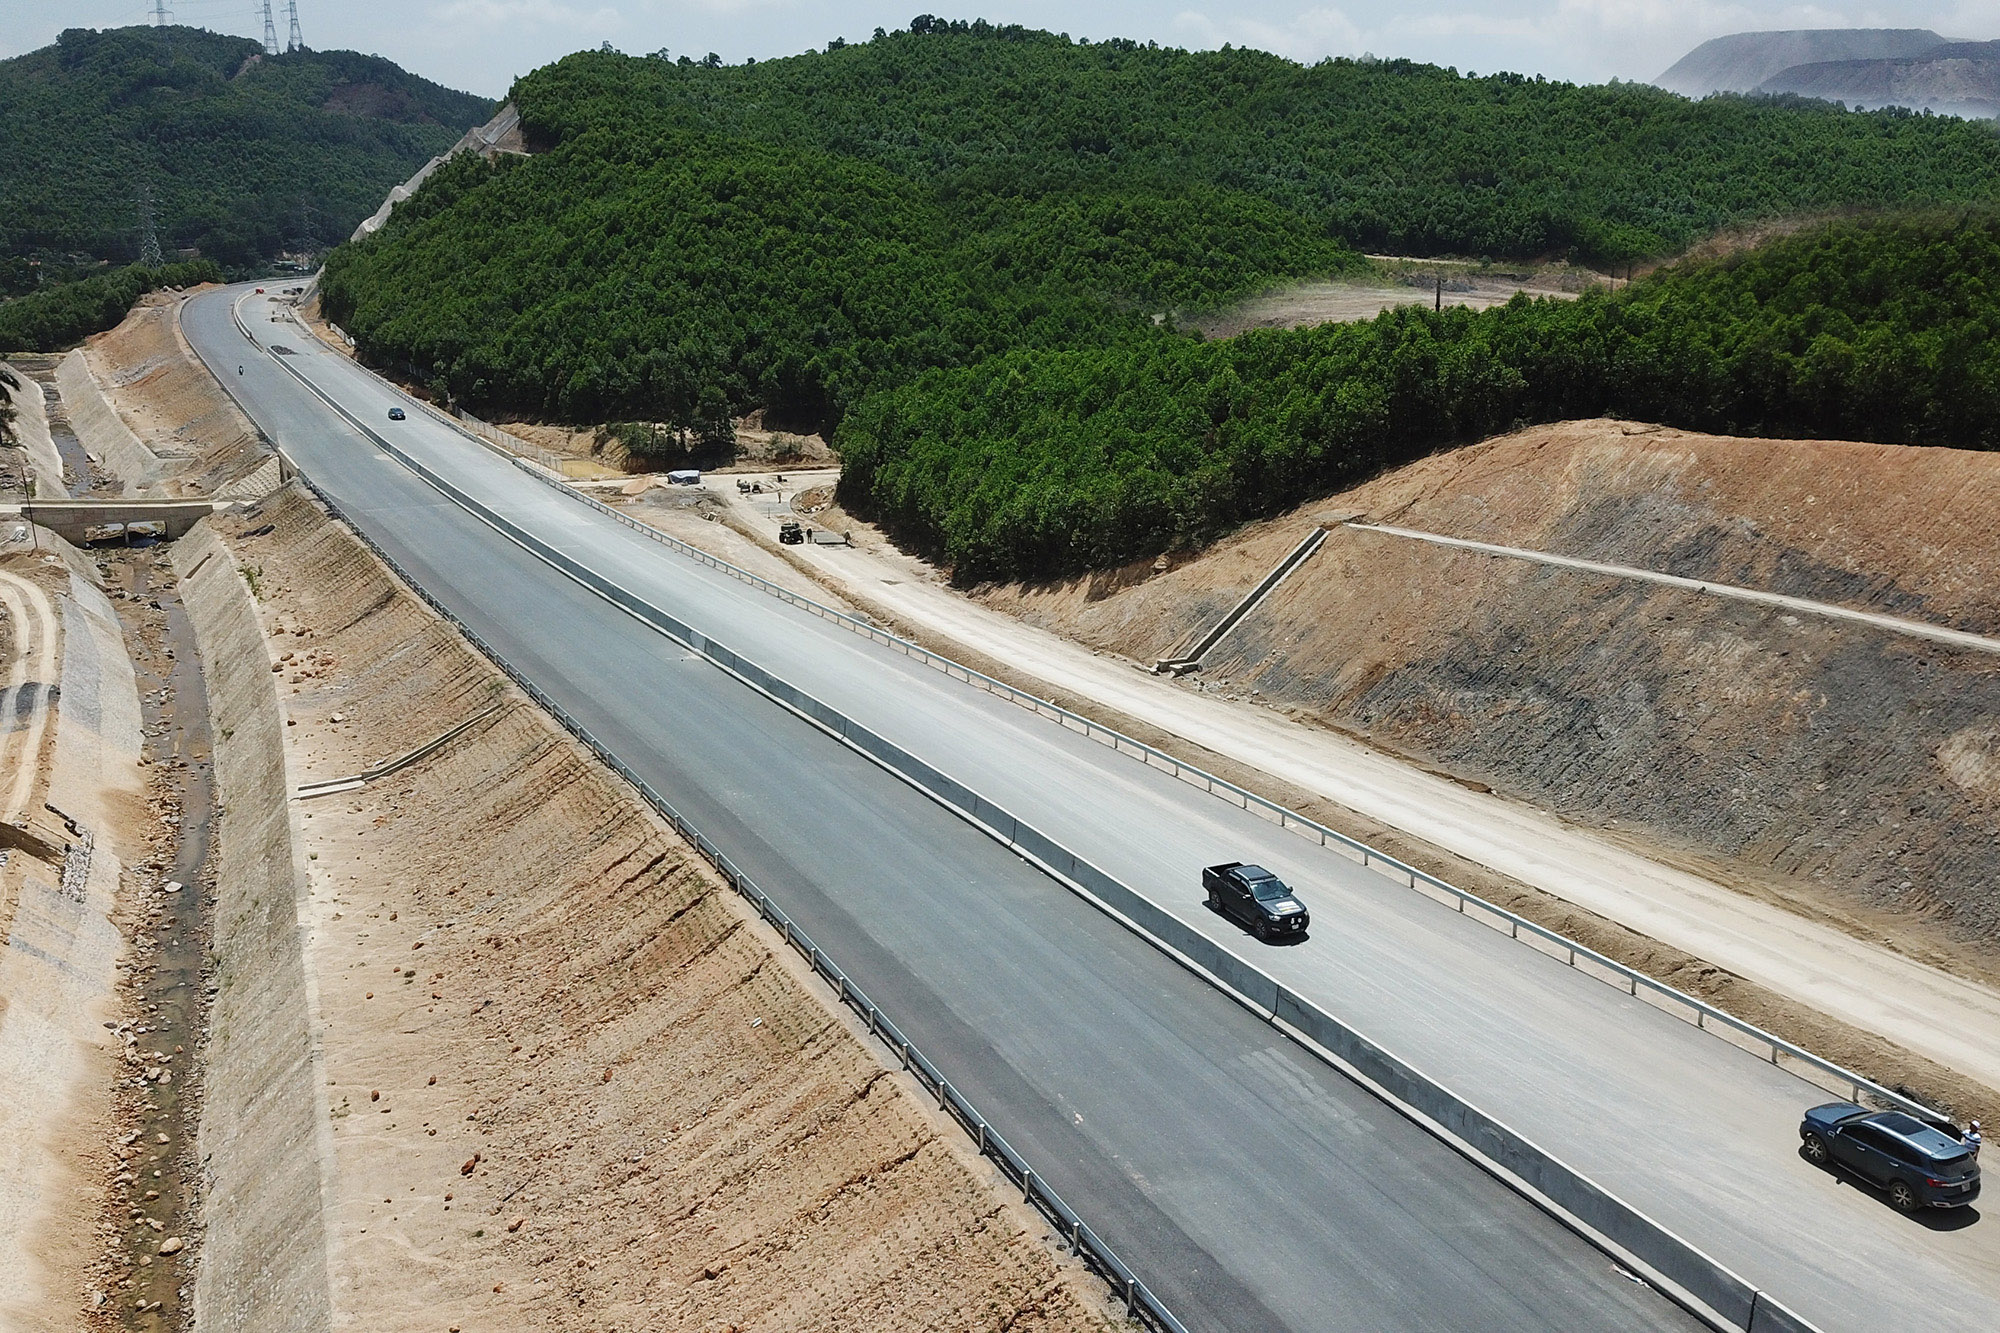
57	317
244	155
967	252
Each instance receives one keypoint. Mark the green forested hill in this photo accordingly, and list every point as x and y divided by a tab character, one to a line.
795	233
1044	463
962	249
57	316
244	154
1392	155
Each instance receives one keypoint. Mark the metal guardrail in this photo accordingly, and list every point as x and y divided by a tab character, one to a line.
1083	1242
1708	1017
501	439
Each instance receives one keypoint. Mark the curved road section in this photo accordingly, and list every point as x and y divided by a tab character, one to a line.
1251	1186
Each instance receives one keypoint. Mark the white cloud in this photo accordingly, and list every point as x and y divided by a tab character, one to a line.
1306	36
494	14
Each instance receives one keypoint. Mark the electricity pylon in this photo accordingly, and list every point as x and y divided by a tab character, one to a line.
149	236
295	41
270	31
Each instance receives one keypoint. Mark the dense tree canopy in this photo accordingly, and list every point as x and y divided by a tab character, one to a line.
1042	463
964	249
796	233
56	317
243	155
1394	155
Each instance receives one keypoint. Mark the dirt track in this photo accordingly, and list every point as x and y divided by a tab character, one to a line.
1339	302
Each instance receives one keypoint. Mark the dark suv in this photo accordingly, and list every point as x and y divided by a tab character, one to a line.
1919	1165
1257	898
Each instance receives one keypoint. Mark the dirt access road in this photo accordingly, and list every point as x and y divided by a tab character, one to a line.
1926	1010
1400	283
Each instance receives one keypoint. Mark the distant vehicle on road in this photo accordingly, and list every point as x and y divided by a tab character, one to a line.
790	533
1257	898
395	414
1917	1165
686	476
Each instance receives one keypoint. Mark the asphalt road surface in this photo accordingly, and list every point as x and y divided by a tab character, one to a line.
1252	1188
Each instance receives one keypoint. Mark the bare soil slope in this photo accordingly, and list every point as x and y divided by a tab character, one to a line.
571	1084
174	406
1852	772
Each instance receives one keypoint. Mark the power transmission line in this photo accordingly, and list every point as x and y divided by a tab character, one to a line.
294	42
270	31
149	237
160	16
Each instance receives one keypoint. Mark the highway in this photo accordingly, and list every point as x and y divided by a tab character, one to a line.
1251	1187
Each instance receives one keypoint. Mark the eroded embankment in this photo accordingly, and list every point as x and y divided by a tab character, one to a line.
139	399
1850	771
71	748
36	471
567	1082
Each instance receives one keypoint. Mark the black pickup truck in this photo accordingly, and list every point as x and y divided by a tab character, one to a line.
1257	898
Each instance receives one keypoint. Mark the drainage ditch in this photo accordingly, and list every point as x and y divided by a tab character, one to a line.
154	1200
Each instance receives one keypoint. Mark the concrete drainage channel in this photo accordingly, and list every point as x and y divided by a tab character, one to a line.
1705	1286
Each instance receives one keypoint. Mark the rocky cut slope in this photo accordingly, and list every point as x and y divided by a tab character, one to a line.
1960	79
1851	771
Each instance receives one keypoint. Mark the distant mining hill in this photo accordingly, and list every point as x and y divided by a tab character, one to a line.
1741	62
1863	67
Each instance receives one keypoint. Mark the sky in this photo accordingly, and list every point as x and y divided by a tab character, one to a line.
482	45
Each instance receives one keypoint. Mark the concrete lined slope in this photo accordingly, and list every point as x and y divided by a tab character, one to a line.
693	1136
102	431
502	134
58	951
1741	61
264	1136
169	401
1172	1118
34	641
31	432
